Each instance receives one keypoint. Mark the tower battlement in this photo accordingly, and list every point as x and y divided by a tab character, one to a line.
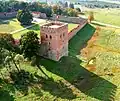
53	27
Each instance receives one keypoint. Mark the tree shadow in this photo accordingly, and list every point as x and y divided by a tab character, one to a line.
22	80
87	82
5	91
70	69
5	96
58	89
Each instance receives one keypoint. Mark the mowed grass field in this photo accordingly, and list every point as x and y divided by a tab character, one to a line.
36	29
109	16
10	25
103	50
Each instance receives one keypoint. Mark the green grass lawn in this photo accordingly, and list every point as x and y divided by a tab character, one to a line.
10	26
109	16
35	28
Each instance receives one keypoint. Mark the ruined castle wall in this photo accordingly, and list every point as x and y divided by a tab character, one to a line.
76	20
39	15
75	30
7	15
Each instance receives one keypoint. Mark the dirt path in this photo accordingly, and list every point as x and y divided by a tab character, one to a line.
38	22
22	29
105	24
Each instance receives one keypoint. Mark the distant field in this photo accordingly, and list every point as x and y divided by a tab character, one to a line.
13	25
110	16
36	28
10	25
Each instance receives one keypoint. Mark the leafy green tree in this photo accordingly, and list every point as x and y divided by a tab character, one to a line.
7	43
29	44
57	10
78	9
48	11
91	16
71	5
2	59
31	48
72	12
1	8
24	17
66	4
23	5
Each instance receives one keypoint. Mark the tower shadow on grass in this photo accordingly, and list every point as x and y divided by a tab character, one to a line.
70	69
58	89
5	96
87	82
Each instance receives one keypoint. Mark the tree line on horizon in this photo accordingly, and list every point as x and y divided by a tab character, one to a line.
61	9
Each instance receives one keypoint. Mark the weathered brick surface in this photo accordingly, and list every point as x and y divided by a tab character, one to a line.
75	30
55	35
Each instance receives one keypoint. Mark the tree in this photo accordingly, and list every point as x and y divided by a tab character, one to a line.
57	10
29	44
72	12
24	17
71	5
91	17
3	55
23	5
78	9
66	4
7	43
30	47
48	11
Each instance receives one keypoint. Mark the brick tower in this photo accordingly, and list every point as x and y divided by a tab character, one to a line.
54	36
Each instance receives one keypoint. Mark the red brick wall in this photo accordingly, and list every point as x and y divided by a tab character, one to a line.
75	30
